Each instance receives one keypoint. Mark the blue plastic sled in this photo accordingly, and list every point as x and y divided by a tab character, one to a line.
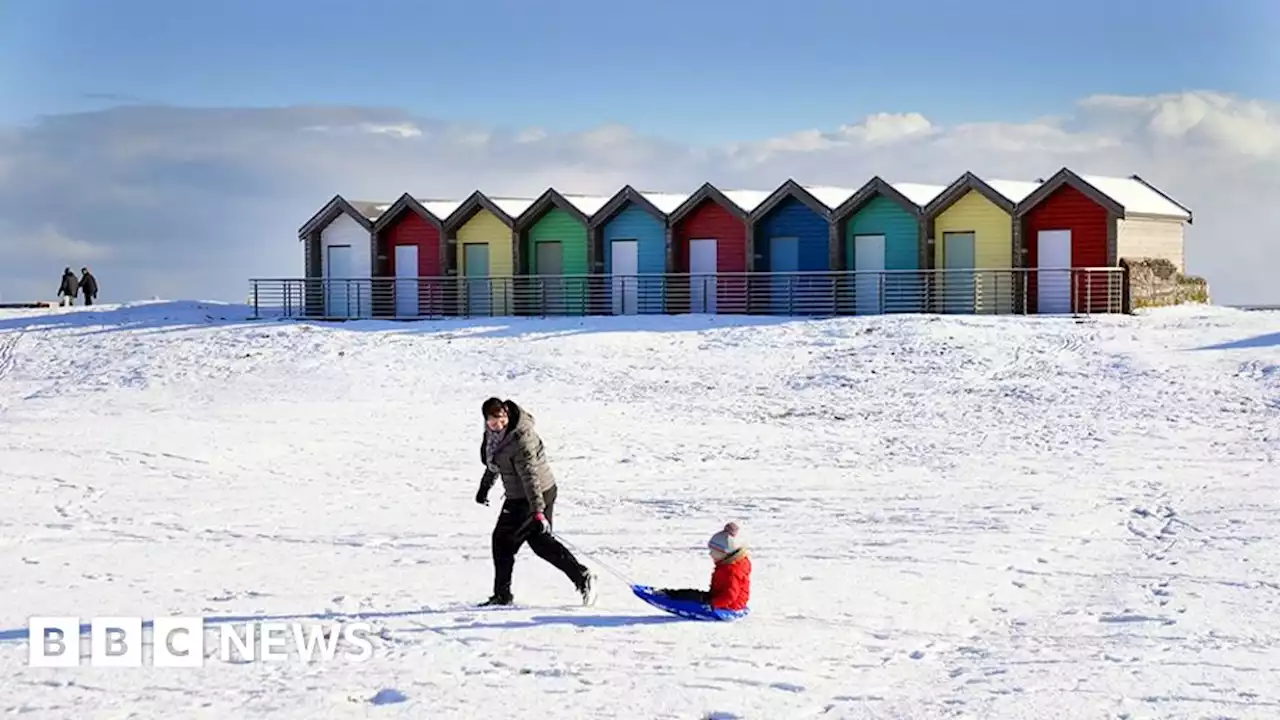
687	609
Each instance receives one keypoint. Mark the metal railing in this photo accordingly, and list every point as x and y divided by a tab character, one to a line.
1073	291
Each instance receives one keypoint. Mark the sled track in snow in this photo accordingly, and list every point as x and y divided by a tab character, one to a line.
1029	359
8	351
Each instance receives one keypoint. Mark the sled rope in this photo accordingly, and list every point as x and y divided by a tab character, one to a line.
608	568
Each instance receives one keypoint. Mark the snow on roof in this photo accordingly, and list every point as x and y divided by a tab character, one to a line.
832	197
442	209
918	193
1136	196
665	202
368	208
1015	190
513	207
1129	192
748	200
588	205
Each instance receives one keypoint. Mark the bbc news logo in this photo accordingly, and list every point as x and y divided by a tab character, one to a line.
180	642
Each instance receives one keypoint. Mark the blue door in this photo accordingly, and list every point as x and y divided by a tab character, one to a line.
958	282
475	264
784	257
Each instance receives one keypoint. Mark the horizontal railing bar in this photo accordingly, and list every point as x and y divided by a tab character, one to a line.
847	292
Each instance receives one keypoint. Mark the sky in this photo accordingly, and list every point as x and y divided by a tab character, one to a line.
178	147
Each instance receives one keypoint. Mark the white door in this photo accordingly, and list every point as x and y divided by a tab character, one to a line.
1053	273
868	284
702	268
407	281
624	264
342	295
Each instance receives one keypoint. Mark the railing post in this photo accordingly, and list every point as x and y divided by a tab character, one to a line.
1126	289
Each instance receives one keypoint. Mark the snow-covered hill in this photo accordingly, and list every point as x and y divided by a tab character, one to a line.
949	517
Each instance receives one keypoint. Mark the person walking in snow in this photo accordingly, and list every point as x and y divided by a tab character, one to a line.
67	290
89	284
512	449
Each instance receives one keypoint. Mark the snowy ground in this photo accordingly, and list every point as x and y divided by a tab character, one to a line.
970	517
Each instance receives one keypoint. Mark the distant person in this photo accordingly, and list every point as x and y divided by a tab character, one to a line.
512	448
67	290
89	285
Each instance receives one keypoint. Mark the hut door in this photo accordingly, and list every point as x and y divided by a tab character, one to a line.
702	280
339	302
958	286
475	265
868	285
624	261
549	266
1053	271
784	258
407	291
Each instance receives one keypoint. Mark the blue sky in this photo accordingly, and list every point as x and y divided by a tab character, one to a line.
692	71
177	146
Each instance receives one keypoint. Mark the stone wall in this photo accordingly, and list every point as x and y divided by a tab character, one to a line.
1156	282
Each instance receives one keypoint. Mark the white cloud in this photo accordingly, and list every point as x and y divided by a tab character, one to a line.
195	201
48	244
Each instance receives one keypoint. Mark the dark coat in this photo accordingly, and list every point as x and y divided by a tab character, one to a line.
69	284
520	459
89	284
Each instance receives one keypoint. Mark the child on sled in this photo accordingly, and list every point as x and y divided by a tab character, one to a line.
731	578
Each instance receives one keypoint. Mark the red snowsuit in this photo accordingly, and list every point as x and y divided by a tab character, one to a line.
731	582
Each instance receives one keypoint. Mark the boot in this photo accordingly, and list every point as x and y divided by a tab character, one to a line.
588	589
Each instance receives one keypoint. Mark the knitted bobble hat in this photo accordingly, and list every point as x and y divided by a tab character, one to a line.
726	541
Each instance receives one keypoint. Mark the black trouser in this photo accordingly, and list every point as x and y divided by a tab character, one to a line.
701	596
508	537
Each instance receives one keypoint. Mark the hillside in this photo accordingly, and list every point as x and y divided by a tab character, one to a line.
948	517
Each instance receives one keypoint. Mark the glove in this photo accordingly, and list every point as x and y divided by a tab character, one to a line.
482	496
538	525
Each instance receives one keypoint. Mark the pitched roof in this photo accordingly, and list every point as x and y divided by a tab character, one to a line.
588	205
1135	195
512	206
829	195
369	208
747	200
918	193
1015	190
667	202
441	208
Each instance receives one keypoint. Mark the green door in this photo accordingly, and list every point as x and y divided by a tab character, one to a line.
476	270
